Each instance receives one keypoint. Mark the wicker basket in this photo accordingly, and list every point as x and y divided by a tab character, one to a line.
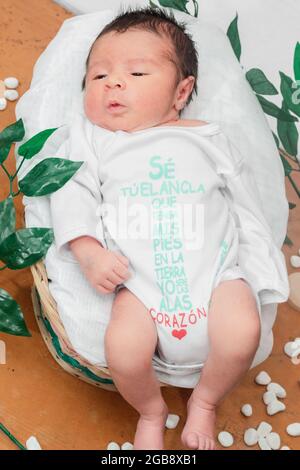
55	336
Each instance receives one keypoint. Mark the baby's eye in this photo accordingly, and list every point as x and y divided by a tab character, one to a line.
138	74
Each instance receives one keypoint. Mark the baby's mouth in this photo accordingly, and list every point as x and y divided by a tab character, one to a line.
115	106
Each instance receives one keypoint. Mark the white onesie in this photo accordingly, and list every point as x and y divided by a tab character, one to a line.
182	205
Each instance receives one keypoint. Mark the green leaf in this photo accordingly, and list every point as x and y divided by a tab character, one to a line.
153	5
288	242
273	110
234	38
288	90
287	167
11	316
259	82
288	134
292	205
7	217
297	62
276	140
25	247
35	144
13	133
176	4
48	176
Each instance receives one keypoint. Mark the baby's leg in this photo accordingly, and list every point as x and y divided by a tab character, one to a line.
130	342
234	334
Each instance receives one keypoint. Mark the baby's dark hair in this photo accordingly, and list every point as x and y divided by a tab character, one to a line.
156	20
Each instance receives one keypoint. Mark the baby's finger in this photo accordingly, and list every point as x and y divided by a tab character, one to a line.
114	278
102	290
120	270
122	258
108	284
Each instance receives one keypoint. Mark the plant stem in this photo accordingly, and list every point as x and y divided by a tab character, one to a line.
11	437
294	185
2	164
10	186
285	154
23	159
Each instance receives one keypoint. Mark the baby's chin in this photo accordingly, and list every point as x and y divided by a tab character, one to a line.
118	123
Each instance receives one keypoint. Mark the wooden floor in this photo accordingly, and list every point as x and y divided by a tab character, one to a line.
36	396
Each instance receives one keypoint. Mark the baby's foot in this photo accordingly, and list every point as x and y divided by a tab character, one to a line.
149	433
198	432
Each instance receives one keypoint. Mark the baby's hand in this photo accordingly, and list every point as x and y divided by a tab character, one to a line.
105	269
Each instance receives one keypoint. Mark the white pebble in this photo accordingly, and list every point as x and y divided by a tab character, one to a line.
263	378
277	389
251	437
127	446
264	429
275	407
225	439
172	421
33	444
268	397
3	104
11	82
288	348
262	442
273	440
292	348
295	261
247	410
293	429
113	446
11	95
285	448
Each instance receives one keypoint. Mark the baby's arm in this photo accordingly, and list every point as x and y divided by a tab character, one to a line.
75	214
103	268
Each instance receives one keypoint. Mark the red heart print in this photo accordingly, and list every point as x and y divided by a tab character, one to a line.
179	334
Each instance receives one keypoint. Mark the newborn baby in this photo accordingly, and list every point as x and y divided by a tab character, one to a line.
193	268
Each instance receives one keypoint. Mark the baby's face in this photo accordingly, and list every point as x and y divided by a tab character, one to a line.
130	68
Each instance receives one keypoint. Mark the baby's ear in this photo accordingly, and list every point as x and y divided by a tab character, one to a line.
191	79
185	88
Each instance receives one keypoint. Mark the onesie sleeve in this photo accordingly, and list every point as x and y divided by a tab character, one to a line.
260	259
75	208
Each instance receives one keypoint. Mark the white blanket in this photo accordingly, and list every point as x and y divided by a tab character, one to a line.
224	97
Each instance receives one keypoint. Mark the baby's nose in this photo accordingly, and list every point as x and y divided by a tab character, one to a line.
113	82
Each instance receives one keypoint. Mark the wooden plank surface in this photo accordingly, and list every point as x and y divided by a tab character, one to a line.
36	396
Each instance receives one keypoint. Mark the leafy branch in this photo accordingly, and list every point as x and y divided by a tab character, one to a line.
24	247
287	140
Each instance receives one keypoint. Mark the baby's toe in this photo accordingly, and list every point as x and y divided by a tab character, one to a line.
202	443
192	440
212	445
207	444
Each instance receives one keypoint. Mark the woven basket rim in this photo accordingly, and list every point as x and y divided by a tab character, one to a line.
48	313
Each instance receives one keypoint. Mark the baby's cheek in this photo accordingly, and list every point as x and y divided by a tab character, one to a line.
91	106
